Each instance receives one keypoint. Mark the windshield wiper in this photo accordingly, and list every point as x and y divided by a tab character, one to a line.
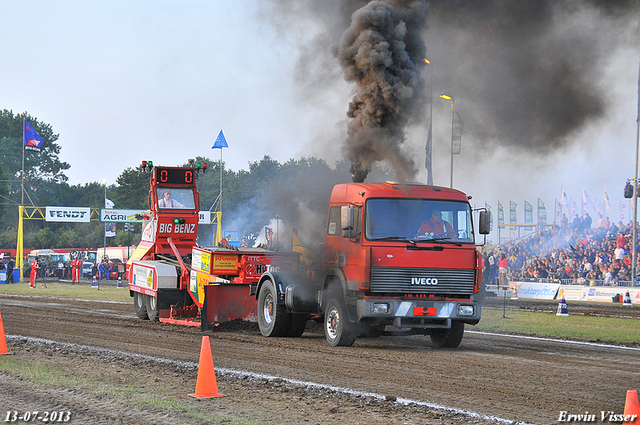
395	238
441	239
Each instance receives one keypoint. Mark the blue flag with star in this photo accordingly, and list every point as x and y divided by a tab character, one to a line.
32	139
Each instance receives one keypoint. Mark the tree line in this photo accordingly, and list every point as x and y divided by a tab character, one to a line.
297	191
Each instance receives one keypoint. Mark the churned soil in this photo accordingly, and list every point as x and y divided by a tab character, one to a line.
101	364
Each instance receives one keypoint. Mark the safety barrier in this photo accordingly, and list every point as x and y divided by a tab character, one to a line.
580	281
574	292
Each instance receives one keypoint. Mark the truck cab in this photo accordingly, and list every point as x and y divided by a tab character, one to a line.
401	256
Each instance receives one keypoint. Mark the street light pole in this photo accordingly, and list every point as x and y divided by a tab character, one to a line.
453	111
429	152
635	193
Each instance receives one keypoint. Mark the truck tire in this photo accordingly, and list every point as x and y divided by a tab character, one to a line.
140	306
152	308
297	325
337	328
448	338
273	319
370	331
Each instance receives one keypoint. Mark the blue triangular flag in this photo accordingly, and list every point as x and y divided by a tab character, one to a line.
220	142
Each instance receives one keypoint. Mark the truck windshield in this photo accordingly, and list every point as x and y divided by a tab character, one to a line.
418	220
175	198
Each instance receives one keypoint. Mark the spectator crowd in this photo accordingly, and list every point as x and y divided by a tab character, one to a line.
574	252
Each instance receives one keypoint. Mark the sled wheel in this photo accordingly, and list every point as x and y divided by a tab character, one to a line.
140	305
152	308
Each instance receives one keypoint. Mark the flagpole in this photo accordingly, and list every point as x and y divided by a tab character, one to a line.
104	247
20	238
219	232
219	144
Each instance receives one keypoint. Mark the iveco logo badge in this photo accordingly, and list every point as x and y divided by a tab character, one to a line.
424	281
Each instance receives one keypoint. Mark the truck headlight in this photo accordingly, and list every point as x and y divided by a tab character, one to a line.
380	308
465	310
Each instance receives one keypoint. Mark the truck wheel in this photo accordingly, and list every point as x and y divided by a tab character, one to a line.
297	325
337	329
273	319
152	308
140	306
371	331
448	338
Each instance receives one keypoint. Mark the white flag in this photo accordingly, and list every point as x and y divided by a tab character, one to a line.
606	199
108	203
586	201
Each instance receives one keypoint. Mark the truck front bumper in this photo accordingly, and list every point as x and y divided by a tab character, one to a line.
418	313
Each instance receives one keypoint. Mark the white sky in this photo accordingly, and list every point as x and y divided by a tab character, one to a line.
126	81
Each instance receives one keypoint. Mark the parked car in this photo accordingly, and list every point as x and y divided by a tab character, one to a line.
117	269
87	267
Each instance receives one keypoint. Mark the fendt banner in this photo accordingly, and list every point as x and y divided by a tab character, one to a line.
68	214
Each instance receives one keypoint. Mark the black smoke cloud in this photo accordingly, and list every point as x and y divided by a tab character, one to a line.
525	75
381	52
528	74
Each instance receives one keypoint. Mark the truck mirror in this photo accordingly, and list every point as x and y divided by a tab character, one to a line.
484	225
346	217
348	222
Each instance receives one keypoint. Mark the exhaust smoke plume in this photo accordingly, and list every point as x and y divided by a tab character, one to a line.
527	77
380	52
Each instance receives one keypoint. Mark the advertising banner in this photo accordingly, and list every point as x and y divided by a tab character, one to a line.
68	214
607	293
204	217
111	215
549	291
541	291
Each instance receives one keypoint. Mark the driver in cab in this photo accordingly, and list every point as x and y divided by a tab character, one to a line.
435	226
168	202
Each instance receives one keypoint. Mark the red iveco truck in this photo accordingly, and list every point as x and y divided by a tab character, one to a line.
383	268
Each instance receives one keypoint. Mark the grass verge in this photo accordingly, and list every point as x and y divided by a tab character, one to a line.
575	327
66	290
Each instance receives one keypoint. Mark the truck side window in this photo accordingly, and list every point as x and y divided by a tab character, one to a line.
333	227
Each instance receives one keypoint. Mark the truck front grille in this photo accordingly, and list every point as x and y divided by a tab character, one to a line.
408	280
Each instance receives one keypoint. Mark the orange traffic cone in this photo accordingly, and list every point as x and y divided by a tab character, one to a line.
631	408
3	340
206	385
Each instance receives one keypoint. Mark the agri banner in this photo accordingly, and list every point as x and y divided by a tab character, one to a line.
541	291
68	214
110	215
121	216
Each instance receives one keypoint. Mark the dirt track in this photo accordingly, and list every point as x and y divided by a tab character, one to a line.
516	379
